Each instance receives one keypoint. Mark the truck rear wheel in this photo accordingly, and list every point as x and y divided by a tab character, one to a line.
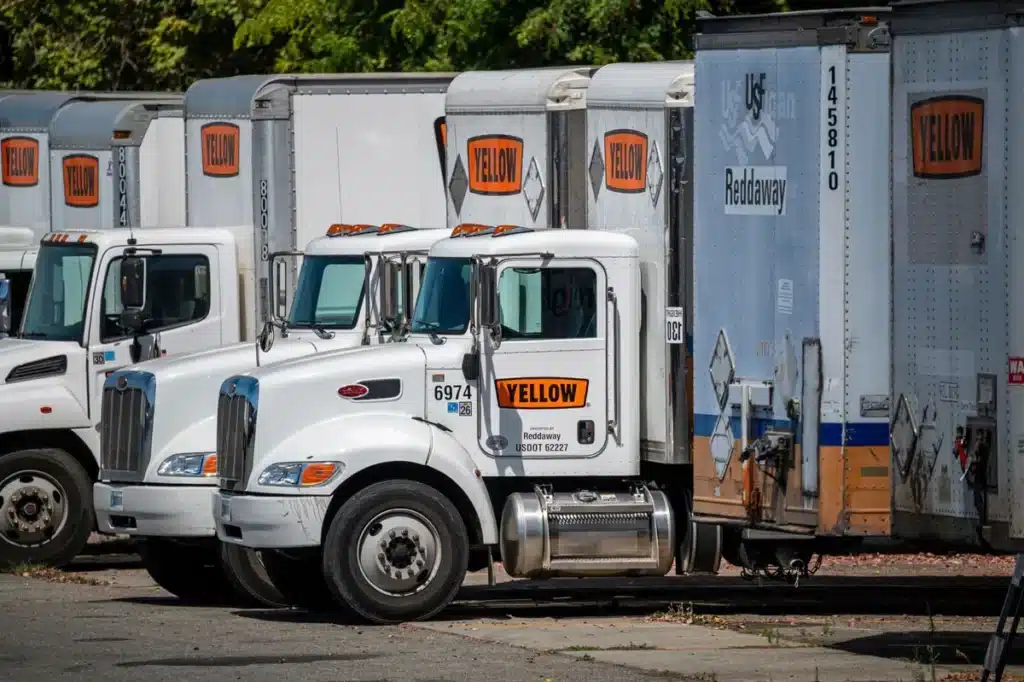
244	569
396	551
192	573
46	512
299	580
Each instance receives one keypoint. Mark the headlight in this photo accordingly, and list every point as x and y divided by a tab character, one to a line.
191	464
304	474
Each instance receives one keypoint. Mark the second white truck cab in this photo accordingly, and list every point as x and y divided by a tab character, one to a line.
73	334
158	465
375	473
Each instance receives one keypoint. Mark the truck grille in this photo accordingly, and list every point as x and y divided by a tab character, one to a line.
126	421
236	425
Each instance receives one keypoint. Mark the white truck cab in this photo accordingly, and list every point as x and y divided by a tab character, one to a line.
73	334
374	473
158	468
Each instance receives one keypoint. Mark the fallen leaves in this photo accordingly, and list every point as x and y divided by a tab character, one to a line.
55	575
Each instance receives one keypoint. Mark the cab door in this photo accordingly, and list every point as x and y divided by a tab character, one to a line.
183	305
544	388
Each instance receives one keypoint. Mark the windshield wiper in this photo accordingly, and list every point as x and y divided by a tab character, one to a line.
31	335
321	332
429	327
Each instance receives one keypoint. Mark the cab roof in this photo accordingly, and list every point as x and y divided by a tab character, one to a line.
146	236
358	244
558	242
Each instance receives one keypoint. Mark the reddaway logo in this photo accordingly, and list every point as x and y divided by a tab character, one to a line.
749	113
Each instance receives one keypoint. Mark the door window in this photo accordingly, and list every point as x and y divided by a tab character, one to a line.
178	293
548	303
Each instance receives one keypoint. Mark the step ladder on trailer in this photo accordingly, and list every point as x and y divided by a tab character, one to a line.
1000	644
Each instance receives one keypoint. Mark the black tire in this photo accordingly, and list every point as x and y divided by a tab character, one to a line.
341	552
71	536
300	581
244	571
192	573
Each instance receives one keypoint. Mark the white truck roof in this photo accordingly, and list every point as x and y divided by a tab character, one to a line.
16	238
560	243
150	235
373	241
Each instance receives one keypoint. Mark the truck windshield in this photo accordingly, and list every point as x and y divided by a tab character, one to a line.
443	303
59	292
329	292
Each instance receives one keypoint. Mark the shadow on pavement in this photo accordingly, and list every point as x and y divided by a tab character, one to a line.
928	648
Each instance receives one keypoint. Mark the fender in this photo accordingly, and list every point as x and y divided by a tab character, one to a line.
199	435
449	457
358	441
22	405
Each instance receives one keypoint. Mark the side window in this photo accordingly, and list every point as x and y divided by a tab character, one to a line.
548	303
338	301
178	293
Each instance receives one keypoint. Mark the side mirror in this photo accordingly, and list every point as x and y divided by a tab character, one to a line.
133	283
488	288
278	286
390	289
5	306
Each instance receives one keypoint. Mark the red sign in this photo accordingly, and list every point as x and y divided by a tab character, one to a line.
1016	368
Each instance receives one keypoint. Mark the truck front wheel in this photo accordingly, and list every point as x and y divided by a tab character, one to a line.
300	580
396	551
244	569
46	511
192	573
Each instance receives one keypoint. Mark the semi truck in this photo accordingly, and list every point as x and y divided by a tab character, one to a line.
518	428
386	130
297	184
158	474
74	332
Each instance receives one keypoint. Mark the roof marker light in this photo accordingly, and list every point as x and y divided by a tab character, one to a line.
510	229
470	229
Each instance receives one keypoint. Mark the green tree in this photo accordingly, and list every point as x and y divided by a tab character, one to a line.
123	44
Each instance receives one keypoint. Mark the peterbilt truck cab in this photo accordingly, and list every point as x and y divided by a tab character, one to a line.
73	333
157	475
510	425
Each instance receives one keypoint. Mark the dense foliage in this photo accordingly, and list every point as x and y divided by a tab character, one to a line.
167	44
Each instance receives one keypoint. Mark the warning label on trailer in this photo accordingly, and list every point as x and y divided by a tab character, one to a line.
947	135
220	144
19	160
81	180
755	190
541	393
495	164
1016	371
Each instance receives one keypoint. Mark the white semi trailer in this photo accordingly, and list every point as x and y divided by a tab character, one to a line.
518	429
